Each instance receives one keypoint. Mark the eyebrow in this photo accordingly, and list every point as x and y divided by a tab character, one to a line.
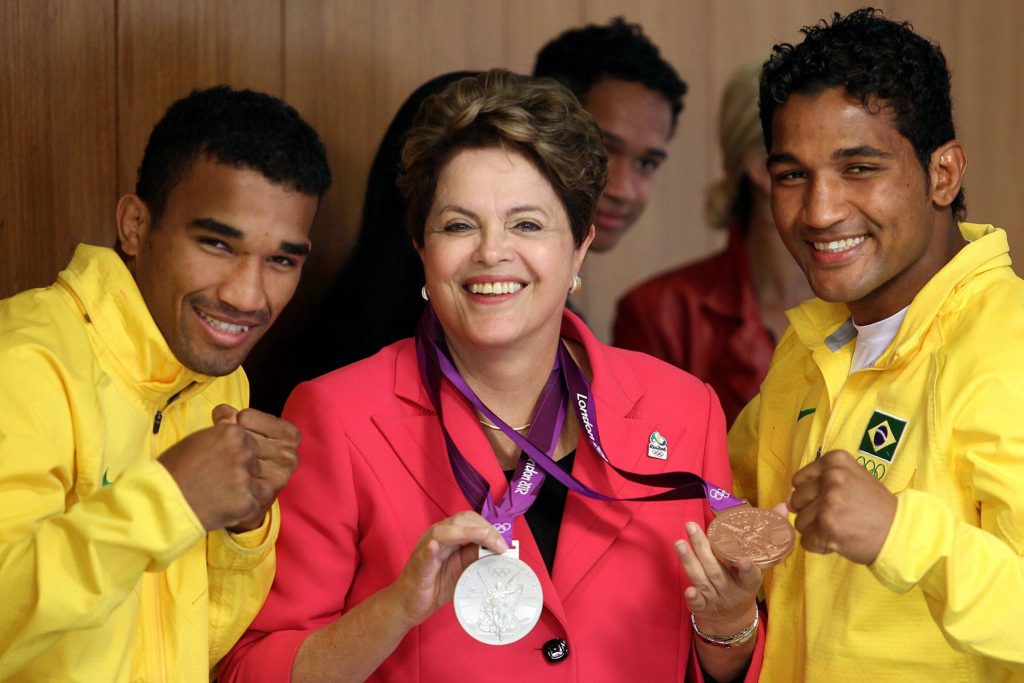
216	227
839	154
523	208
777	158
231	232
527	208
862	151
649	151
458	209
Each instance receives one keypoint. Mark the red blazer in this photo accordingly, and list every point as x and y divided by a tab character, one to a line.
374	474
704	318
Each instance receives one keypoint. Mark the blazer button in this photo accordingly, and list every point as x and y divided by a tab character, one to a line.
555	650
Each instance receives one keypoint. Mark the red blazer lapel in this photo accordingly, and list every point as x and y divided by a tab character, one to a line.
590	526
418	441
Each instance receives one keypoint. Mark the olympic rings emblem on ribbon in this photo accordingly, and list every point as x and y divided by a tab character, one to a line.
503	527
875	468
716	493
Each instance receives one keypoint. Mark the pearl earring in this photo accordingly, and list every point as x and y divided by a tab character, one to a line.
424	293
577	284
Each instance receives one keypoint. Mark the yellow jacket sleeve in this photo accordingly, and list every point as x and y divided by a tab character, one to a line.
241	568
66	563
966	555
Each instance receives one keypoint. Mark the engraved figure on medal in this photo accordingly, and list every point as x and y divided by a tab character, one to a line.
762	535
498	599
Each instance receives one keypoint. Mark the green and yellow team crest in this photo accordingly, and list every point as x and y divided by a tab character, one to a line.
882	436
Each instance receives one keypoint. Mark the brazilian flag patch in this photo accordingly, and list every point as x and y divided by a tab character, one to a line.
882	436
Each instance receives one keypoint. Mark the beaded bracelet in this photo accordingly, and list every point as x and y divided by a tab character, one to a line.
727	641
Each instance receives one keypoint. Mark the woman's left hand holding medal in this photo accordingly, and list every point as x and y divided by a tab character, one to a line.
722	601
442	553
718	594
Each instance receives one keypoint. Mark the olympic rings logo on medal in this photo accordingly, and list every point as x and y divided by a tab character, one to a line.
502	527
716	493
875	468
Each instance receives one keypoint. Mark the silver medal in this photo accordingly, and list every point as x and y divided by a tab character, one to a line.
498	599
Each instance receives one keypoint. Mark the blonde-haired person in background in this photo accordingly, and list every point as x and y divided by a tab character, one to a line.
719	318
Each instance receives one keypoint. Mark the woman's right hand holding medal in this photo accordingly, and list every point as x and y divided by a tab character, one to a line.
355	644
442	553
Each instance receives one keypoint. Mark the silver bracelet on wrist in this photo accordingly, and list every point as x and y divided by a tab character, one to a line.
727	641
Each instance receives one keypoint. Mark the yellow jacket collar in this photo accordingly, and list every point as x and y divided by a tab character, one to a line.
122	329
814	320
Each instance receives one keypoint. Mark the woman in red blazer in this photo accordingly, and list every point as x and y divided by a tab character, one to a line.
501	175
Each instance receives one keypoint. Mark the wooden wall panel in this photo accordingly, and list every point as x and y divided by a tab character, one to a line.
530	24
349	65
167	48
987	108
57	135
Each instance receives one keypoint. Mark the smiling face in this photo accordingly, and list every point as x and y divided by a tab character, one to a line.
637	124
221	264
498	252
852	203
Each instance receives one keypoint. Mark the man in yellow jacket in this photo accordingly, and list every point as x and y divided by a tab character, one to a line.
138	520
890	421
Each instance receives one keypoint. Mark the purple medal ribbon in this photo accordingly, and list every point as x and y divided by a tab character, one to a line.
545	429
566	380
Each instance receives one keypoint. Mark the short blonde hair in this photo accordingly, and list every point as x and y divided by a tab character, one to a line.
739	131
537	117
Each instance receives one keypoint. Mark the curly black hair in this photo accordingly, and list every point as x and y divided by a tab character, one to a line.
871	57
241	128
581	57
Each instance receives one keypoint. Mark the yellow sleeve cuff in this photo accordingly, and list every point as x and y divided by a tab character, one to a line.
245	550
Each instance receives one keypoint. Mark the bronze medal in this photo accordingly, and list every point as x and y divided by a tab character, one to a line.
743	531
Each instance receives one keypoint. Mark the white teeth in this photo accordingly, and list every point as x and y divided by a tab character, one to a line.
495	287
838	245
223	326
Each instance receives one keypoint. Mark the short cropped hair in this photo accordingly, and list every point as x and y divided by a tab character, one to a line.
581	57
870	56
240	128
536	117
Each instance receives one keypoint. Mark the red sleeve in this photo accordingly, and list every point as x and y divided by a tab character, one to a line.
316	550
634	330
656	321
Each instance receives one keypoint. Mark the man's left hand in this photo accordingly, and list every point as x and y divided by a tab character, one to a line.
841	507
278	442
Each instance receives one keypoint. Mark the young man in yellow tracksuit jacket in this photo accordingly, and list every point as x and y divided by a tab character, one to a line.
138	516
890	420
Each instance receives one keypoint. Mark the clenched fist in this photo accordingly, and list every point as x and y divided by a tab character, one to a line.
841	507
231	473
